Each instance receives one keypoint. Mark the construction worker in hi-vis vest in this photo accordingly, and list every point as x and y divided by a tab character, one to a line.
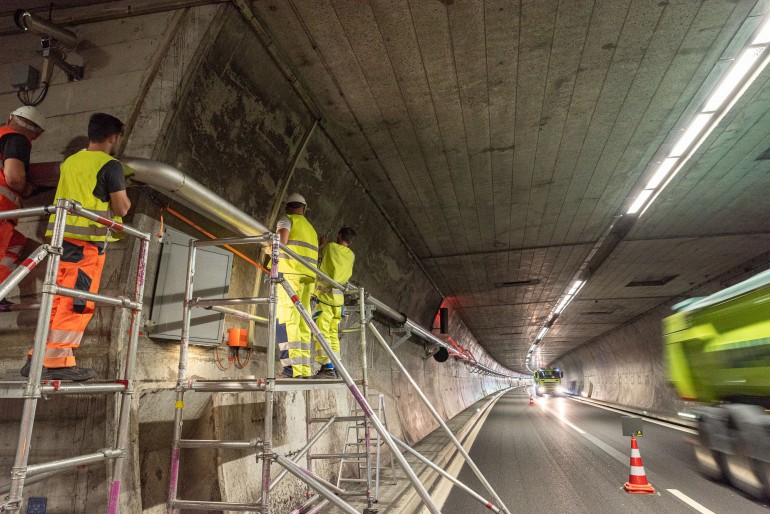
337	261
95	179
25	124
292	333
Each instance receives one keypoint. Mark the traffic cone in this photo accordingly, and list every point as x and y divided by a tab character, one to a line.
531	400
637	479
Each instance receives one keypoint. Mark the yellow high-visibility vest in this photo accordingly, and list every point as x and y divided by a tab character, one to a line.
77	182
303	240
337	262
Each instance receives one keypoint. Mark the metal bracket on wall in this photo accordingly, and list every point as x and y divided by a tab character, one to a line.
400	330
430	350
354	310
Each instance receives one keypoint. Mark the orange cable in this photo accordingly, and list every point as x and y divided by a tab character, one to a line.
212	236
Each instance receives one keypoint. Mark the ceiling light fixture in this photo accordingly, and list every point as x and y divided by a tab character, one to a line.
747	65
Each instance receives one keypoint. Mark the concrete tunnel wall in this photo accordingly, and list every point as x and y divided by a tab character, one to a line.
626	366
198	91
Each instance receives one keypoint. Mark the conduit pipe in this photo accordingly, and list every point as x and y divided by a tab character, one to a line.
191	193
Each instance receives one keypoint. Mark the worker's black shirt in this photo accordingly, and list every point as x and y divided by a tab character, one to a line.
16	146
109	179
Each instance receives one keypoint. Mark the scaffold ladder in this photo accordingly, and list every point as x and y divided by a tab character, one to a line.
32	389
356	444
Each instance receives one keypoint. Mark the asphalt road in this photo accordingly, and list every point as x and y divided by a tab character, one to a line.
538	461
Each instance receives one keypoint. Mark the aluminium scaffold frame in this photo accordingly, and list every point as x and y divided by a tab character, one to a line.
32	389
270	385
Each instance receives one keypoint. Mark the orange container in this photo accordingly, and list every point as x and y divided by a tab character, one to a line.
238	337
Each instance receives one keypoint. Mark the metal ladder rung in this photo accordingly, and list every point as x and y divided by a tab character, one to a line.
215	443
356	480
260	384
337	455
15	389
222	506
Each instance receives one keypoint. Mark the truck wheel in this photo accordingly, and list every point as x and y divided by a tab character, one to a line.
710	452
741	463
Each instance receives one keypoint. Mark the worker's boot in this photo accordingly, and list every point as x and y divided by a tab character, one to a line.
72	373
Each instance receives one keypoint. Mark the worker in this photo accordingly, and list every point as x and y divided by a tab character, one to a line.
25	125
95	179
293	334
337	262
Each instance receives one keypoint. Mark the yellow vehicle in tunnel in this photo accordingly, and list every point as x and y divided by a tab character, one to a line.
547	381
717	352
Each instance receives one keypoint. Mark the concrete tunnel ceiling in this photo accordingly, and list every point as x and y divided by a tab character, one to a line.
504	137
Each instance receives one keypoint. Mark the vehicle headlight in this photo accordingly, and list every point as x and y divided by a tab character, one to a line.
541	389
559	389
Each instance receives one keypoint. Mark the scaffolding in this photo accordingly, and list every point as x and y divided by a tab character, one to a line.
325	491
33	389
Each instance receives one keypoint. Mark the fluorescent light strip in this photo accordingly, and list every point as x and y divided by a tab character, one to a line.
640	199
734	75
577	285
763	37
563	303
542	333
661	172
690	134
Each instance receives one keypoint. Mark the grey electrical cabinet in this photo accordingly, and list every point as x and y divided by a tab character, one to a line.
211	280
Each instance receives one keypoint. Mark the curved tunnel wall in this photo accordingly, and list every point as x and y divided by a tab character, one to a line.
204	96
626	366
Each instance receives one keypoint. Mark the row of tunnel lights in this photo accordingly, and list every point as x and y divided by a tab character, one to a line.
739	76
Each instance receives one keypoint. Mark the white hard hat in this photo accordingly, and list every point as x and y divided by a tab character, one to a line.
31	114
296	197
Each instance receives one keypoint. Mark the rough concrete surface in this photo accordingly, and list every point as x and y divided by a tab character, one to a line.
218	109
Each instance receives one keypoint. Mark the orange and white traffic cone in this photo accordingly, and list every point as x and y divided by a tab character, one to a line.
531	400
637	479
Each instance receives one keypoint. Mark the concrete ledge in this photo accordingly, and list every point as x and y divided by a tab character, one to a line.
436	447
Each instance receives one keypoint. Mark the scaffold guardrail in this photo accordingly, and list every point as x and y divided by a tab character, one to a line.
32	389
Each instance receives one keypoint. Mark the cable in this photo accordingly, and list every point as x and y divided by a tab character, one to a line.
239	364
219	360
23	96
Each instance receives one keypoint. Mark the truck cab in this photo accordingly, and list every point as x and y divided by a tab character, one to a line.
547	381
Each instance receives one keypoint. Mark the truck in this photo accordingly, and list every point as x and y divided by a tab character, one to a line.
717	354
547	381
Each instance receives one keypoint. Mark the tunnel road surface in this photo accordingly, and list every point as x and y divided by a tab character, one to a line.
565	456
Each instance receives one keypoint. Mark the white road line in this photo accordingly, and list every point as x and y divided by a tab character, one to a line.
651	420
609	450
623	458
689	501
441	493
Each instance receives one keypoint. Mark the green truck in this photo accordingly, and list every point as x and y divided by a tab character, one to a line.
717	353
547	381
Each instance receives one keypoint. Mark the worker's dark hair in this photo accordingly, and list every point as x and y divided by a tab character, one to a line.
101	126
347	234
295	205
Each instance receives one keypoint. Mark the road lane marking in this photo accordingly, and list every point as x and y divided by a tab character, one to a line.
689	501
441	492
620	456
651	420
612	452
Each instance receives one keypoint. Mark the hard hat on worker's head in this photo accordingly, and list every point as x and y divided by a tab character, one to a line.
296	198
29	113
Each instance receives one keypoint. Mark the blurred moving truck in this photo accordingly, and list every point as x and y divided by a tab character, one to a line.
717	352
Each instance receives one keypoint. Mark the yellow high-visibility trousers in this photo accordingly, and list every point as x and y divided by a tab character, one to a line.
328	318
292	333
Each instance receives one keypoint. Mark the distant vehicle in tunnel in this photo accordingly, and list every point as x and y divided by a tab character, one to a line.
717	352
547	381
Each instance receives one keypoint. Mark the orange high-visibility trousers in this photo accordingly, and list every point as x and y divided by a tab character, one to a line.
11	245
80	268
